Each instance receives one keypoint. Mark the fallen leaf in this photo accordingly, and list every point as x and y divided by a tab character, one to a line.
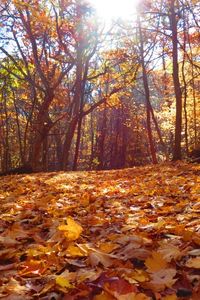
104	296
170	252
193	263
170	297
74	251
63	282
121	289
97	258
72	230
162	279
33	267
156	262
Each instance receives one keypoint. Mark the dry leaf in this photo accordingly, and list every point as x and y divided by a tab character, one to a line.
72	230
170	297
193	263
97	258
170	252
156	262
63	282
163	278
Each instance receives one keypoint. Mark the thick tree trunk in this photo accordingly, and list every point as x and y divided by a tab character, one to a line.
41	129
68	141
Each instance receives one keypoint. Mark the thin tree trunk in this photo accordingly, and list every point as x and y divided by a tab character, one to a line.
101	140
77	143
147	97
18	132
194	98
177	88
185	84
6	158
92	141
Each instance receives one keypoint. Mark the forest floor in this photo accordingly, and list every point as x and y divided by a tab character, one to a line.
130	234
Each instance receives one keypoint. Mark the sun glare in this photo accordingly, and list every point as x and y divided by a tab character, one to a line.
112	9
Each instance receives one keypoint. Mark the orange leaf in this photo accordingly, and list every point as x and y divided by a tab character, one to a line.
156	262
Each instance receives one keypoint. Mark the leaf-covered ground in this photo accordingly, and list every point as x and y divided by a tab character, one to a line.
129	234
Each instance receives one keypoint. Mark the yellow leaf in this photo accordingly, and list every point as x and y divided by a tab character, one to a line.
72	230
160	224
140	276
156	262
63	282
75	251
108	247
193	263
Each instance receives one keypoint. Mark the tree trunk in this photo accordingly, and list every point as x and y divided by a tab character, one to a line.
101	140
42	126
147	96
185	92
67	143
177	87
77	143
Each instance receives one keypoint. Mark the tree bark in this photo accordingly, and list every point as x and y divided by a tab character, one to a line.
177	88
147	96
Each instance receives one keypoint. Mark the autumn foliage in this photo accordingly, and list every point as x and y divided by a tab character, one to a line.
129	234
78	95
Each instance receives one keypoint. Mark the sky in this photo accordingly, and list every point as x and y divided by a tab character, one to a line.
109	9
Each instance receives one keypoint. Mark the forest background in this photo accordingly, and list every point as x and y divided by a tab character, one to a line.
76	94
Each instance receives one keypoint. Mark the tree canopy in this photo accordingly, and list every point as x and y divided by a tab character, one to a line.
77	94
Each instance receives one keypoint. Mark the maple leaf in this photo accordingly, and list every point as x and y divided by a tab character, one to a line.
156	262
72	230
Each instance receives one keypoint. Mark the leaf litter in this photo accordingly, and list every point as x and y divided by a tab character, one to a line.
130	234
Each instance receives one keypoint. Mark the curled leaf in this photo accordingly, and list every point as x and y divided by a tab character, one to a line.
72	230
